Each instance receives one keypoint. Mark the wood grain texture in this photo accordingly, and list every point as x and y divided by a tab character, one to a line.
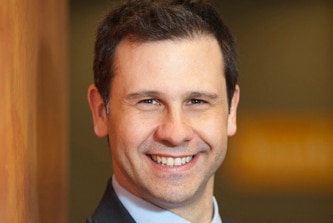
33	111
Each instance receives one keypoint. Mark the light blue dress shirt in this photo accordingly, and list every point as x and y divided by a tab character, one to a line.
145	212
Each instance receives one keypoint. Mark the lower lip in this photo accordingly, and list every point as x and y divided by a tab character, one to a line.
177	169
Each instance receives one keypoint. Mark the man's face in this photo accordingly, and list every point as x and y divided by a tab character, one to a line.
169	121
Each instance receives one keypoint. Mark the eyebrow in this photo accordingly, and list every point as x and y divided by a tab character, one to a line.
157	94
142	94
202	94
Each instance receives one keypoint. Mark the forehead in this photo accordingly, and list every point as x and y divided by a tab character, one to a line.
170	67
201	50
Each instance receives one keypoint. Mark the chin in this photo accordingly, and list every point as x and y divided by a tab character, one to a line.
172	196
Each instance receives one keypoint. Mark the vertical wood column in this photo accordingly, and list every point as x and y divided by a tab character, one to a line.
33	111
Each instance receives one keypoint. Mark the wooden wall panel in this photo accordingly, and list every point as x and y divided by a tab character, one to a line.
33	111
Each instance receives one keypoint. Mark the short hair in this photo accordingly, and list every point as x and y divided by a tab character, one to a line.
155	20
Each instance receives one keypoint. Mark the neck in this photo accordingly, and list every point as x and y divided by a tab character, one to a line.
200	208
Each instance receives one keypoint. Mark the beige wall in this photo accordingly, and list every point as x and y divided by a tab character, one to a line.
33	111
286	54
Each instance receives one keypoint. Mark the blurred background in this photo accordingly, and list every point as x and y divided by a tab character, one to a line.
279	165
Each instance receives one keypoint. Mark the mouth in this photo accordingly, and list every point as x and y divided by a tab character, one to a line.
171	161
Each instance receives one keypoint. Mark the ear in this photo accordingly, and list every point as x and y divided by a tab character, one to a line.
232	117
98	111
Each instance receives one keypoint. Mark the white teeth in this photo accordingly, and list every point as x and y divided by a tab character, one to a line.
170	161
178	162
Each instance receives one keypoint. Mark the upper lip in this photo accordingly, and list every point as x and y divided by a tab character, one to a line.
171	155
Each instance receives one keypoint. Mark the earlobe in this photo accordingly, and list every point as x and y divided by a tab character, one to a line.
232	117
98	111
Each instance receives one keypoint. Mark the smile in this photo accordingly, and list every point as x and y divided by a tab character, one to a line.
171	161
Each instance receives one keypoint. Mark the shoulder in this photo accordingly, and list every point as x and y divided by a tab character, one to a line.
110	209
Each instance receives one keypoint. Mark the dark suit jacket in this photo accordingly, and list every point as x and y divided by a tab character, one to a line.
111	210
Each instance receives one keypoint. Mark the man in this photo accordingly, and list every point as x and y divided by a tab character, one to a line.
165	95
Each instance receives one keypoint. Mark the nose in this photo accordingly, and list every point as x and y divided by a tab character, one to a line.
174	129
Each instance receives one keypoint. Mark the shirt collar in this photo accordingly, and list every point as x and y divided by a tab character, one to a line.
145	212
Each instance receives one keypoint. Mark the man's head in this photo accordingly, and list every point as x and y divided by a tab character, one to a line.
167	70
153	20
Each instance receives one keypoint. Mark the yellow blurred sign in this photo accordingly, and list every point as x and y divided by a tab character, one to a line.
282	152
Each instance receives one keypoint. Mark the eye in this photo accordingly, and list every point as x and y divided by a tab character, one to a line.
149	104
149	101
196	104
197	101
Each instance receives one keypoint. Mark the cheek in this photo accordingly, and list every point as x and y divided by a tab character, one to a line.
214	131
128	132
214	134
124	143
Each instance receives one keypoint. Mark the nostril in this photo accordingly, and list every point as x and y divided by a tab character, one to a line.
174	128
173	136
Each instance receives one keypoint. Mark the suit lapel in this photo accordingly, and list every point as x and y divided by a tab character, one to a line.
110	209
